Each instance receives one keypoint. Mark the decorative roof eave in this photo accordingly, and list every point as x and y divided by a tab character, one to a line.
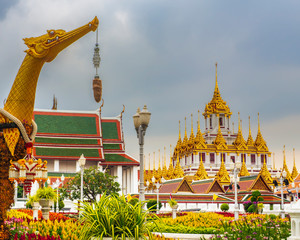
216	181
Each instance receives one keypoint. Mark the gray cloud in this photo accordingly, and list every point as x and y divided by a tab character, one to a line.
162	53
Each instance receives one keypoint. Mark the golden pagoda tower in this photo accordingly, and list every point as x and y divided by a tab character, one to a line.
191	141
164	169
295	171
260	143
244	170
250	141
223	175
170	171
240	142
201	172
177	148
220	142
178	172
145	174
199	140
285	168
159	172
184	145
264	172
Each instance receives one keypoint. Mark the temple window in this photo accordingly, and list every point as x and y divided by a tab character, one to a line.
185	161
263	157
232	158
192	159
210	122
203	157
223	156
212	157
252	159
221	121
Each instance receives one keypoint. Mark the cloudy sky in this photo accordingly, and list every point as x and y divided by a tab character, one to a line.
163	54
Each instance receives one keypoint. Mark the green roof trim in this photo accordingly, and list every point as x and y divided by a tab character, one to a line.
116	158
59	174
108	146
66	124
109	130
67	152
66	141
202	181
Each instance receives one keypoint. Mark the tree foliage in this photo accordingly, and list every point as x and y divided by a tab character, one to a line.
94	182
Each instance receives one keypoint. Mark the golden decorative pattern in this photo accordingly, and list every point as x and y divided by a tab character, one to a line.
220	142
244	170
294	171
201	172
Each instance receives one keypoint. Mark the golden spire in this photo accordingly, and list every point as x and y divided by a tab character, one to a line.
184	146
240	142
201	172
150	175
217	104
244	170
260	143
223	175
164	169
199	140
273	160
285	168
191	141
178	172
250	141
264	172
295	171
170	172
177	148
220	142
159	172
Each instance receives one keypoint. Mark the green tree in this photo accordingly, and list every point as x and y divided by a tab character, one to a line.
224	207
94	182
152	205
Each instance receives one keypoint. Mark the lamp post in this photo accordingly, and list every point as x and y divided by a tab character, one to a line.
141	121
281	175
57	185
235	167
81	163
157	192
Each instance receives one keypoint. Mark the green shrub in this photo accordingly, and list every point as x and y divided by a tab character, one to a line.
251	209
46	193
224	207
134	201
112	216
152	205
31	199
61	204
172	202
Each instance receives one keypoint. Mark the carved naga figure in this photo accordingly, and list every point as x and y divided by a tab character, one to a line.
16	117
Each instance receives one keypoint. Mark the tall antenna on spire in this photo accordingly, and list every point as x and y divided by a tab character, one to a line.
97	83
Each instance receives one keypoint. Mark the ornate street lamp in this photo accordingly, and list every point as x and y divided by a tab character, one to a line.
235	167
158	184
57	183
27	170
281	175
141	121
81	163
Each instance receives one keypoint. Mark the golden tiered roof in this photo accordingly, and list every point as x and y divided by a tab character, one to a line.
220	142
201	172
223	175
295	171
164	169
217	104
170	171
240	142
199	140
177	148
178	172
250	141
264	172
285	168
260	143
244	170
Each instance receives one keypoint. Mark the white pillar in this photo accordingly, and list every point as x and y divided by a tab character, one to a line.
294	213
16	192
56	165
128	181
120	177
124	182
134	179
